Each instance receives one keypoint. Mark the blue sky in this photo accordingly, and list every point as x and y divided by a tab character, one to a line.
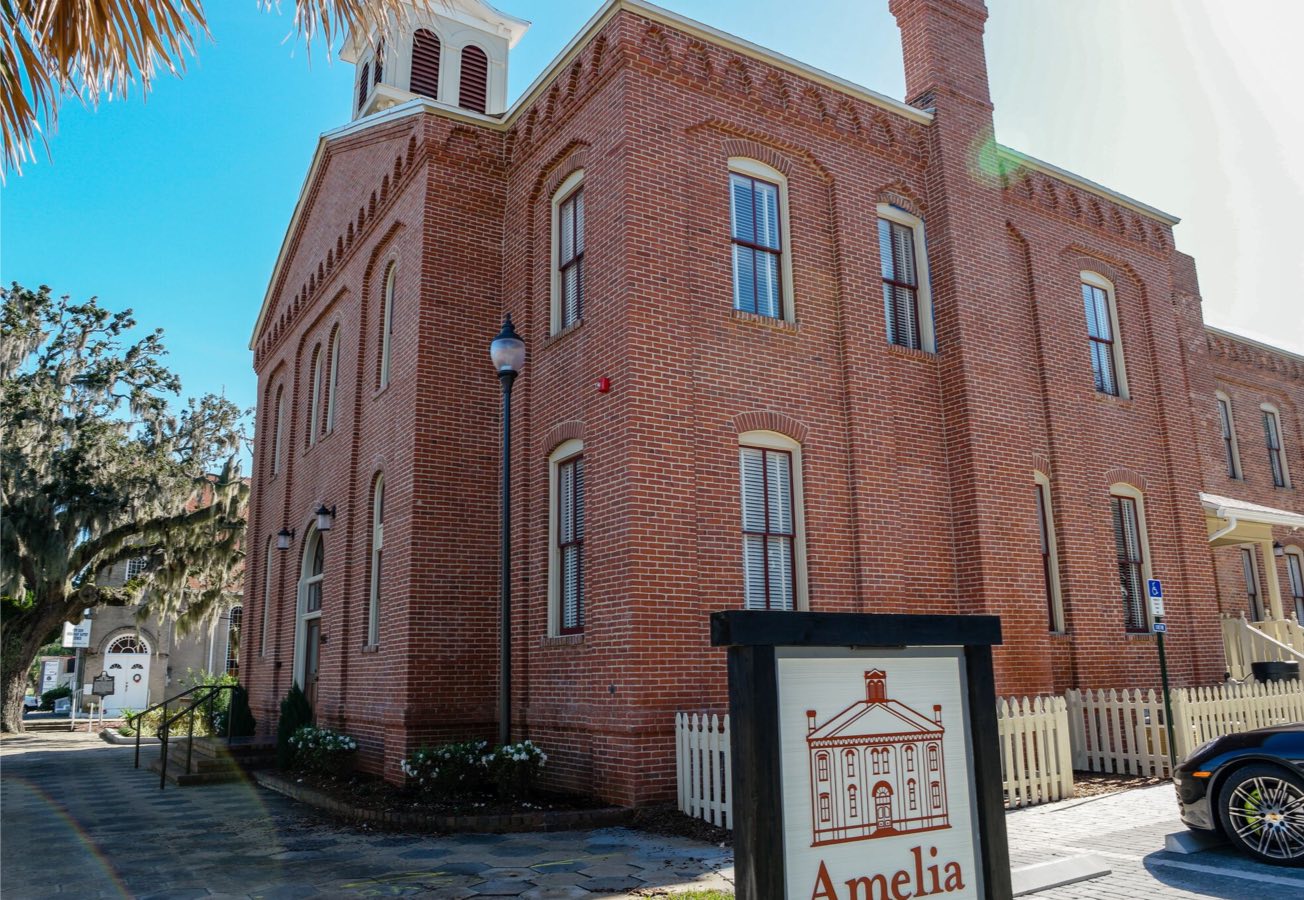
176	206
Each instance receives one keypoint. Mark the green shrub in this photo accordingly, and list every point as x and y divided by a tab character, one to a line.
243	723
296	712
48	698
322	750
514	769
448	770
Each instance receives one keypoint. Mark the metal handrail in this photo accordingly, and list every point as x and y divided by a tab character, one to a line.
163	733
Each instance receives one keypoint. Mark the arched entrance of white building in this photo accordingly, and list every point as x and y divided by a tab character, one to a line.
127	659
307	632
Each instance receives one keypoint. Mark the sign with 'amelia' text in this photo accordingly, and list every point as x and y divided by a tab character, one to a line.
877	786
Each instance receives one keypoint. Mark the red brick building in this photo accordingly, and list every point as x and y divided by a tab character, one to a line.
856	351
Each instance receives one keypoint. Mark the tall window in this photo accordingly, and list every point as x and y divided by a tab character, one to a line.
332	378
278	431
566	596
234	617
1102	329
769	529
314	404
1130	552
377	560
425	64
314	575
267	596
1228	435
1295	575
1272	437
853	809
136	566
474	90
386	327
568	228
1049	556
1250	570
756	233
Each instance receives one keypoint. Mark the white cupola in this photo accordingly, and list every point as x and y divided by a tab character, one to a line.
452	51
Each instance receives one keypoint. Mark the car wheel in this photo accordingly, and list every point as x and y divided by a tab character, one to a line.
1262	812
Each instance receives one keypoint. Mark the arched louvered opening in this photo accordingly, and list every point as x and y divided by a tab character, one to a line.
475	79
380	61
363	85
425	64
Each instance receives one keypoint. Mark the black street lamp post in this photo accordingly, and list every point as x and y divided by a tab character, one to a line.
508	354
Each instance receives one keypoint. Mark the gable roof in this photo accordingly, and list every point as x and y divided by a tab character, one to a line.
871	719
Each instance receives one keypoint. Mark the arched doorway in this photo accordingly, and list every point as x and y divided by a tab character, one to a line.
307	634
126	658
883	805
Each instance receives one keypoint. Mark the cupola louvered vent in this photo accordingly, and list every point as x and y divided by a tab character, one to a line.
380	60
475	79
425	64
363	85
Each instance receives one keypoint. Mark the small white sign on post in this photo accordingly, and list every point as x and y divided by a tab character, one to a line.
77	635
49	675
1156	591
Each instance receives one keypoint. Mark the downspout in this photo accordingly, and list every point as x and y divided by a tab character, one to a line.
1232	522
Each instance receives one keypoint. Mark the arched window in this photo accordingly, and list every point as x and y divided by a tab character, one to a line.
1295	576
314	395
887	762
307	638
380	61
826	808
377	550
566	529
128	643
314	573
1101	310
903	264
935	794
1049	554
1132	552
912	794
1227	425
233	619
852	806
1250	569
278	430
267	596
1272	438
425	64
364	84
758	217
876	762
474	90
568	252
822	766
332	378
933	759
849	763
386	326
910	758
774	562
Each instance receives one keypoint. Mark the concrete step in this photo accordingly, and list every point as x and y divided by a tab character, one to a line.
178	776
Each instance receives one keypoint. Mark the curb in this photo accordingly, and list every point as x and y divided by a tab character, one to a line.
559	820
112	737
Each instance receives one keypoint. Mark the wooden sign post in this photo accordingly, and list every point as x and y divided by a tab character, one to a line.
866	763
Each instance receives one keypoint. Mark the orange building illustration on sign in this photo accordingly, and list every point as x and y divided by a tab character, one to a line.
876	769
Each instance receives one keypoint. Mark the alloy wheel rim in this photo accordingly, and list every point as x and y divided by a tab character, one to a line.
1268	815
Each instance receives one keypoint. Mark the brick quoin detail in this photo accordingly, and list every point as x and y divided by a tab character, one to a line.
917	493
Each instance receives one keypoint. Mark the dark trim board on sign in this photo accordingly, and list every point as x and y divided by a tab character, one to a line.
757	642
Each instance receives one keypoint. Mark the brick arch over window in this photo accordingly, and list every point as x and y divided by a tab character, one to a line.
1041	463
1127	476
1122	276
902	197
561	433
769	420
735	147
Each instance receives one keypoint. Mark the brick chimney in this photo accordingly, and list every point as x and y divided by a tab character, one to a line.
942	44
875	686
810	721
937	713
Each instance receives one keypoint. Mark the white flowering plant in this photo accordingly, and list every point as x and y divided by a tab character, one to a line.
514	768
448	770
323	750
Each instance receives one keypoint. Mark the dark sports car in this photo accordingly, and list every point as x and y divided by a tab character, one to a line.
1250	788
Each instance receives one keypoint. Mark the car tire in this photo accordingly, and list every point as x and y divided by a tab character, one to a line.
1261	808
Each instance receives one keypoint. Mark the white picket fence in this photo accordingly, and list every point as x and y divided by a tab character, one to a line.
1036	762
704	768
1126	732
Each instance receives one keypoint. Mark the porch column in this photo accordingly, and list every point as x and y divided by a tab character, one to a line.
1274	586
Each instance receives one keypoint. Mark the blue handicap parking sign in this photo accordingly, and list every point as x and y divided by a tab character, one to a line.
1156	589
1159	627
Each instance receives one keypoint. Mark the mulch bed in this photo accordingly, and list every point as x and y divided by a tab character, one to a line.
1096	784
668	820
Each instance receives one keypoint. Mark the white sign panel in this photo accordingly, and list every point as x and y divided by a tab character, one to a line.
878	796
77	635
49	675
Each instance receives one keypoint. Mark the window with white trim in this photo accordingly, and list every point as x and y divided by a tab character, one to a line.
1101	308
568	252
758	223
1295	578
1049	554
772	525
267	596
314	399
1272	439
1231	454
903	266
278	431
386	326
566	594
136	566
1250	571
332	379
233	620
1132	555
377	561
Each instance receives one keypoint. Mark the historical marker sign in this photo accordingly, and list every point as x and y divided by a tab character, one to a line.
864	771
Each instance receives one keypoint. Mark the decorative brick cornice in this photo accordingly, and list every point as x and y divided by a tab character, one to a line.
1050	195
1254	356
769	420
1127	476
